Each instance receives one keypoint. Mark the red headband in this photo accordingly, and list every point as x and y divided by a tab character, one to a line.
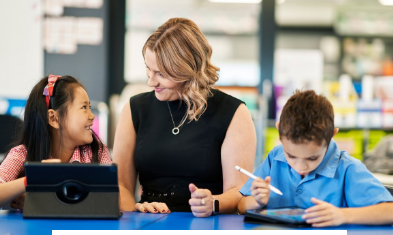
48	90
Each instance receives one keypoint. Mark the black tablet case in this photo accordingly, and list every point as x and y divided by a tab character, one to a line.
64	190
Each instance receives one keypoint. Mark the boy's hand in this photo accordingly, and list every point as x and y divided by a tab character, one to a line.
324	214
260	190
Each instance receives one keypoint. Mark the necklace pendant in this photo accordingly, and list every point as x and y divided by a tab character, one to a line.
175	131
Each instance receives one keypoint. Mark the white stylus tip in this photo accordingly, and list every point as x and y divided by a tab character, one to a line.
237	168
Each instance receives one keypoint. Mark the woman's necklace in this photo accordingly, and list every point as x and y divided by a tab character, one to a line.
176	129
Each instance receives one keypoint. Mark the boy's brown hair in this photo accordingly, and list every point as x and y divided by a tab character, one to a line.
307	117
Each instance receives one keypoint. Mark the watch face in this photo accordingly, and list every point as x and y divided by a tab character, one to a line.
216	206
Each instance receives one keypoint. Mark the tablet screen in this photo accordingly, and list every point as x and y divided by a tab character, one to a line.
283	215
291	214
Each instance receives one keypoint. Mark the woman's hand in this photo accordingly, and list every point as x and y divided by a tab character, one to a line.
324	214
260	190
201	201
152	207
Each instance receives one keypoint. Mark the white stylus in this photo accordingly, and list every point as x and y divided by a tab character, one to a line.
254	177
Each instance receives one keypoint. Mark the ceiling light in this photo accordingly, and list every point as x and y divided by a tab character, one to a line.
386	2
236	1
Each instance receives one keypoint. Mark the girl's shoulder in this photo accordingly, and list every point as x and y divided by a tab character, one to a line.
19	150
12	166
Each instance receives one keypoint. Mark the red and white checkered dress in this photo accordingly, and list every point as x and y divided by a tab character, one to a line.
13	163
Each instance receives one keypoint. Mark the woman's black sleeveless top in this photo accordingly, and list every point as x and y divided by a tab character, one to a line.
168	163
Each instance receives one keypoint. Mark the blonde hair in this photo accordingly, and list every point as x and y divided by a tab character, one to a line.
183	55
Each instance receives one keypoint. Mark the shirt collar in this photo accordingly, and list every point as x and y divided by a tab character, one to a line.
330	161
281	156
76	156
329	164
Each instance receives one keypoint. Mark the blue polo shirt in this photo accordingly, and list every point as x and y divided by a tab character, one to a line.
339	179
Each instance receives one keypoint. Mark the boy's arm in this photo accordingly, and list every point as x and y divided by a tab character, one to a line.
260	196
325	214
10	190
381	213
247	203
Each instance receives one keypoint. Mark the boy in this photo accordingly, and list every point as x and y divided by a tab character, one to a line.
313	173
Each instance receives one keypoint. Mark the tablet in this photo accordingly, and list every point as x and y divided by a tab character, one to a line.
65	190
289	216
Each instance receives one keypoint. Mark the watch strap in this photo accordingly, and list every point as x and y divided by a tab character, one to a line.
216	206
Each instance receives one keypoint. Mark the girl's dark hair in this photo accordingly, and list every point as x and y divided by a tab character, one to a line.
35	135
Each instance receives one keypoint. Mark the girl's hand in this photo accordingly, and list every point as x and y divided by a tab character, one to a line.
324	214
260	190
18	202
153	207
53	160
201	201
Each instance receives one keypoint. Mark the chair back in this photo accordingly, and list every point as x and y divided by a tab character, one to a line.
10	127
389	188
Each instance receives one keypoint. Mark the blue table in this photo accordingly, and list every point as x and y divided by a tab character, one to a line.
12	222
185	221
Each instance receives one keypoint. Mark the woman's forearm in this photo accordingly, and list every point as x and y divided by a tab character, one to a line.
127	199
229	200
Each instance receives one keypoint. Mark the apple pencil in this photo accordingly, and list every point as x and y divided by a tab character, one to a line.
254	177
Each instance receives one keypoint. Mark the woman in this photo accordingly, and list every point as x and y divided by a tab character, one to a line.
184	138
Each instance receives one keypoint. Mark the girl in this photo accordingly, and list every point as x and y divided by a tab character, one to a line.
57	125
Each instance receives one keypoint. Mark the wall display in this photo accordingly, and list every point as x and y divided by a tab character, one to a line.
56	7
76	43
63	34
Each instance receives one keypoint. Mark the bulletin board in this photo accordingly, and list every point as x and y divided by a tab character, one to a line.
88	59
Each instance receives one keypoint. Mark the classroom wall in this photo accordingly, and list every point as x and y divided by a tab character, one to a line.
21	54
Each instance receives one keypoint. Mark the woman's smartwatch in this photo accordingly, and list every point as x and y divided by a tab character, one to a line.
216	206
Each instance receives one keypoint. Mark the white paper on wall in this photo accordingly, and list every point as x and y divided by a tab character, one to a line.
63	34
60	35
90	30
53	7
95	4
